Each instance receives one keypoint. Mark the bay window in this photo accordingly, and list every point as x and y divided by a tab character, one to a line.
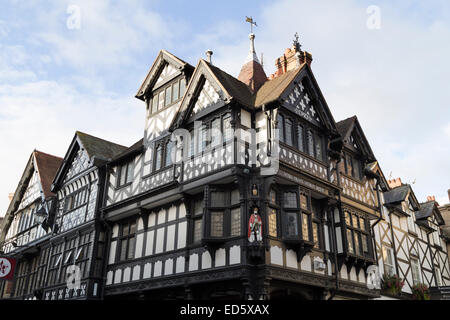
272	214
197	220
357	234
224	213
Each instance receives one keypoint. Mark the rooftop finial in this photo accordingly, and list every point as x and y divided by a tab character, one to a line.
209	53
252	54
297	44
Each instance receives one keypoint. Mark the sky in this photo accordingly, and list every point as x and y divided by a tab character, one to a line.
77	65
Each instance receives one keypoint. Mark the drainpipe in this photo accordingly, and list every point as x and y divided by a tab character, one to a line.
333	231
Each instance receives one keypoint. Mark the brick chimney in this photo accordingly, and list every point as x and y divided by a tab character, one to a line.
10	196
448	191
290	60
431	198
394	183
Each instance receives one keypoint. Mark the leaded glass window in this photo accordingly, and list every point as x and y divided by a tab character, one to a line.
158	157
305	226
169	149
161	100
155	104
273	222
175	91
289	132
217	199
290	200
292	224
168	96
300	138
217	223
227	129
310	141
236	222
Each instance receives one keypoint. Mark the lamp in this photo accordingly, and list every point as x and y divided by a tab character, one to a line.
40	215
254	190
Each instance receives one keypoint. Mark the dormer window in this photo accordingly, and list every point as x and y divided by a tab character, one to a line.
167	95
126	172
352	166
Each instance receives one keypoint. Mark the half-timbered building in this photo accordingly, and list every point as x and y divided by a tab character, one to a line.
24	232
408	239
237	190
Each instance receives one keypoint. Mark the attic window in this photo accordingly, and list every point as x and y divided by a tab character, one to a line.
167	95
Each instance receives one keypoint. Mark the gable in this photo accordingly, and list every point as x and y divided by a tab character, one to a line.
299	100
32	191
208	97
165	67
79	163
303	97
204	93
354	137
166	74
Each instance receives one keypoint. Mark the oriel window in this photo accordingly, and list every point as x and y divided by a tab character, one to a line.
127	240
225	213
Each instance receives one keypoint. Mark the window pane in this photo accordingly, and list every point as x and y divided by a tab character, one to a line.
365	246
349	165
192	142
161	100
281	127
310	141
123	175
235	197
215	128
217	199
304	201
217	223
357	244
123	250
131	247
273	196
168	96
348	218
300	138
125	229
290	200
319	148
158	155
155	104
169	148
362	224
176	87
305	226
182	87
350	241
133	228
272	222
355	221
289	132
228	131
356	170
197	230
316	239
198	207
292	224
130	172
203	138
236	222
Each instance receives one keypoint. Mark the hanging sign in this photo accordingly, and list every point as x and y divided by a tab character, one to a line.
7	266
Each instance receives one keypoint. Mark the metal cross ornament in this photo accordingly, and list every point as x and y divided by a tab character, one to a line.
250	20
296	43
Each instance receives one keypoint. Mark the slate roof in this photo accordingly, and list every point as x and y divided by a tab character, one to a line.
99	148
47	166
396	195
345	126
272	89
135	148
426	210
235	88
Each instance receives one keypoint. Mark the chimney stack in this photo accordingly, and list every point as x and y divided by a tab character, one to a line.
431	198
394	183
10	196
448	191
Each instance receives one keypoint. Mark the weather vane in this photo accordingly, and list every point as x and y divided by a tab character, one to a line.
250	20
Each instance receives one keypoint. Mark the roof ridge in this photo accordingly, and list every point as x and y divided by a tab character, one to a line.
48	154
95	137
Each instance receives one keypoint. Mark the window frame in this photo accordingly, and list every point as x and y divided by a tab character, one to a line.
156	107
357	233
126	237
125	166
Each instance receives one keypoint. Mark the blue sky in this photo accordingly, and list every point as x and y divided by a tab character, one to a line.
55	80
